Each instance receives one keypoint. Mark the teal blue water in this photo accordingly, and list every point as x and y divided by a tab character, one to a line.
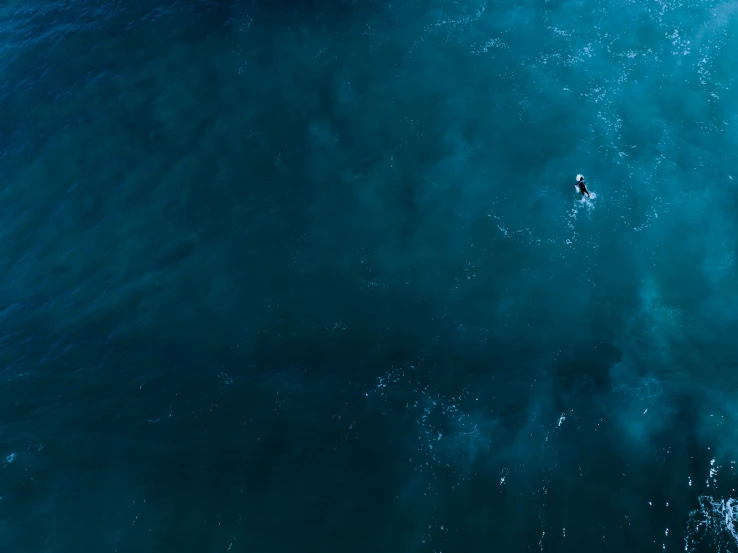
305	276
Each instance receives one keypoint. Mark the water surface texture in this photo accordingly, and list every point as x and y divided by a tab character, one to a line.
314	276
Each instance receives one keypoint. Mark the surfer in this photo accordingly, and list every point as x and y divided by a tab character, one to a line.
582	186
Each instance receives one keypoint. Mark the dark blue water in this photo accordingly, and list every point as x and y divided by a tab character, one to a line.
315	276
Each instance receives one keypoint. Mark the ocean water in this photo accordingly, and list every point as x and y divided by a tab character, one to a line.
314	276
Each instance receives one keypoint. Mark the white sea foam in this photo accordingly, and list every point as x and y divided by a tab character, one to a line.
714	521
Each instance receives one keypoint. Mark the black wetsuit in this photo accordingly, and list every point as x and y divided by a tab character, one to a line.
583	188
